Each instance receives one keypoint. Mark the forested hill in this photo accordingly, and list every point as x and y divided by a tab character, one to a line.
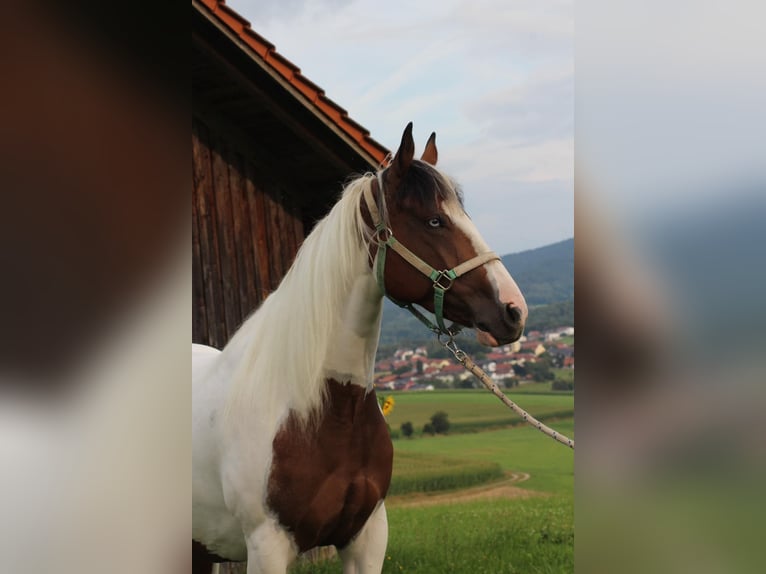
546	277
546	274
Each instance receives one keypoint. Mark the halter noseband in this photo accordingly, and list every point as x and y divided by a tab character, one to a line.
442	280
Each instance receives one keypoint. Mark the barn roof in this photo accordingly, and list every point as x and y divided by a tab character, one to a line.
289	75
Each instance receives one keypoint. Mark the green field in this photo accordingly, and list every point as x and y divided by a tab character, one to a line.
533	535
478	536
477	409
519	449
564	374
482	537
566	340
538	388
418	472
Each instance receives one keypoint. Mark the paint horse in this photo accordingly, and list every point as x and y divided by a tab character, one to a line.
290	449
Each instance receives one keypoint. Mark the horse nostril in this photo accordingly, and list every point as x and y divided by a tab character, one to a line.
514	313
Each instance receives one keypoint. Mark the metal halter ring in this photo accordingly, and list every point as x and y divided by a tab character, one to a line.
449	343
382	236
443	275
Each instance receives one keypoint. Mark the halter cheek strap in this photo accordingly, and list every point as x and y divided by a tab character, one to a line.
442	280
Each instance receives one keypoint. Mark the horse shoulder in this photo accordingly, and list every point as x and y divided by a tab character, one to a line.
325	482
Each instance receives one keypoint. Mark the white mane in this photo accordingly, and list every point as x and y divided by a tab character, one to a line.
278	353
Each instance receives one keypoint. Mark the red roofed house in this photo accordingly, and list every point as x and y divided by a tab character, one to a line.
386	382
534	347
384	365
270	152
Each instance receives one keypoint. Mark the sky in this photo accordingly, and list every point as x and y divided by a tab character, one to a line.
669	102
494	79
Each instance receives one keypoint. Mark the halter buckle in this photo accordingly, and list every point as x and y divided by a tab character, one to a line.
382	236
444	280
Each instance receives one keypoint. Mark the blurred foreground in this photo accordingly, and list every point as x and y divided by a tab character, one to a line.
95	291
670	277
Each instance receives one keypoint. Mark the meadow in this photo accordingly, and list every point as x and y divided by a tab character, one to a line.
418	472
438	529
474	410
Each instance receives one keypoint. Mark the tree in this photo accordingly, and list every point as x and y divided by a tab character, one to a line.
561	385
544	317
540	370
407	429
440	423
428	428
465	383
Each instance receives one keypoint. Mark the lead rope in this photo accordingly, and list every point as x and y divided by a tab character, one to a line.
492	387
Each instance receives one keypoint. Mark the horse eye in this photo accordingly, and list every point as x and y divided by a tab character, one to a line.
435	222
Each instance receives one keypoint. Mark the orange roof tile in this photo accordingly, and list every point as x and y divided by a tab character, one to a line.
290	72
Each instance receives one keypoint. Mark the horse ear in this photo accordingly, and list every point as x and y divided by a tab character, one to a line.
402	160
430	154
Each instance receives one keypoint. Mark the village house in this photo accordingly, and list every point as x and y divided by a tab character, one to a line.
412	369
534	347
384	366
557	333
504	375
403	354
448	373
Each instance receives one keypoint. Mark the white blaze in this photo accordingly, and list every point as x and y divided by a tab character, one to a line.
505	287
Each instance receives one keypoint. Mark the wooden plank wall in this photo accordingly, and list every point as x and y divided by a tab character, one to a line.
246	229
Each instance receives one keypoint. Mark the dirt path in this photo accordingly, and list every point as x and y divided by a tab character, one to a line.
503	489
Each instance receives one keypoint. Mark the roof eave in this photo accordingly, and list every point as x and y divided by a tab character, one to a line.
285	74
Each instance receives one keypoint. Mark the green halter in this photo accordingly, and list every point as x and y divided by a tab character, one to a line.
442	280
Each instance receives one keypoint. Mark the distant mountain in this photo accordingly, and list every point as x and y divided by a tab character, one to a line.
545	276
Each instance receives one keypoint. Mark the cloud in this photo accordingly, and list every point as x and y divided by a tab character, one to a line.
538	108
507	162
492	78
518	216
675	104
261	13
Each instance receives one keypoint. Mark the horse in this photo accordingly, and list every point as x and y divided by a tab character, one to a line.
290	448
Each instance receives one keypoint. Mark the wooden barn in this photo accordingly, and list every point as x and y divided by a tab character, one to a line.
270	153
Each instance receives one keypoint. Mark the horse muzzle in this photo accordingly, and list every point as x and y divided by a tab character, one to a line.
502	327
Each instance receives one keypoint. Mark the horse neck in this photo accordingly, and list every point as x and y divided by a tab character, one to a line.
322	322
351	353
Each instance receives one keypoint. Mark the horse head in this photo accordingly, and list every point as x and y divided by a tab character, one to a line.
421	216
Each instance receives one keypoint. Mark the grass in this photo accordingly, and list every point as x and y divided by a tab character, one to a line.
483	537
491	536
475	409
519	449
537	389
564	374
418	472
